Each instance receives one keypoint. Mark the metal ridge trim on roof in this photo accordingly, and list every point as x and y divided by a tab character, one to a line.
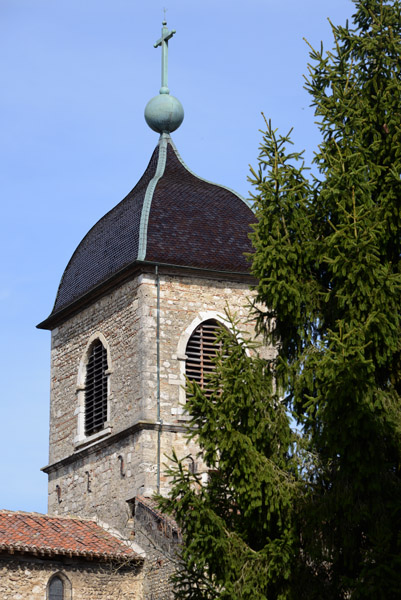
224	187
161	165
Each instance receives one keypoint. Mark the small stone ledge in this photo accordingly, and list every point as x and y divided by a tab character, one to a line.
80	442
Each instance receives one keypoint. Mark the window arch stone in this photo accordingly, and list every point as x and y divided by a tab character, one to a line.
93	390
188	331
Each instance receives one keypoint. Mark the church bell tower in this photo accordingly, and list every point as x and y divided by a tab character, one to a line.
136	312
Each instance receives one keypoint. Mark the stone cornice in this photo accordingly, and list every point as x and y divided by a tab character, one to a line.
94	447
131	271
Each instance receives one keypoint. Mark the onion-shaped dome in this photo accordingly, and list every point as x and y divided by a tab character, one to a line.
171	217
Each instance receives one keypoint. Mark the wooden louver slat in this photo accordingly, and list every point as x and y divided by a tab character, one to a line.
96	389
200	351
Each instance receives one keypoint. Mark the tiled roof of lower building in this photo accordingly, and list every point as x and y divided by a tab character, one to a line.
45	535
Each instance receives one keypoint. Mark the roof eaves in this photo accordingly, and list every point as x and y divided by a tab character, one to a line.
126	272
82	301
126	555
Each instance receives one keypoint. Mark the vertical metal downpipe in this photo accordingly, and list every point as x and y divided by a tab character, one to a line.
159	422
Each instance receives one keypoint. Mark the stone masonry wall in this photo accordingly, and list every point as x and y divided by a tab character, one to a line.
26	577
93	484
117	317
161	541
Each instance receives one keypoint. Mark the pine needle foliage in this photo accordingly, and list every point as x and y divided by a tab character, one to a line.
328	264
238	527
315	515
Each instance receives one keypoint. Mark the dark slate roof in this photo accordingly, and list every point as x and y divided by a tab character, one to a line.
192	223
110	245
34	533
196	223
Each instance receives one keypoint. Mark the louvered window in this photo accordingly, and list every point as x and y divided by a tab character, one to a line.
56	589
201	349
96	389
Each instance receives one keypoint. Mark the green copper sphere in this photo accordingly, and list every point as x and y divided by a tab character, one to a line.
164	113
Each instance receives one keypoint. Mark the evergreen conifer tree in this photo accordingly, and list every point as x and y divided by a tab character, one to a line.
317	517
238	529
328	265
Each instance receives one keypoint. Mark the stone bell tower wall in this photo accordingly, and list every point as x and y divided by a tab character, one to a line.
97	475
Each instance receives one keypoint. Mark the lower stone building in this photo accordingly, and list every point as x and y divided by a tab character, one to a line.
64	558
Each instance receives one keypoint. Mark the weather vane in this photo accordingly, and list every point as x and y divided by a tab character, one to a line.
163	42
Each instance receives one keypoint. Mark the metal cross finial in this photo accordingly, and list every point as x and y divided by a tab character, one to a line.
163	42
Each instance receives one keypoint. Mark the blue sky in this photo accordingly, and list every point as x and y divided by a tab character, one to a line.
75	76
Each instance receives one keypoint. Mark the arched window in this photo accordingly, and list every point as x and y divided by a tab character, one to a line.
56	589
59	588
96	388
200	350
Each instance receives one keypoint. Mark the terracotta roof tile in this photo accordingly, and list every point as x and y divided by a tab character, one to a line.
42	534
